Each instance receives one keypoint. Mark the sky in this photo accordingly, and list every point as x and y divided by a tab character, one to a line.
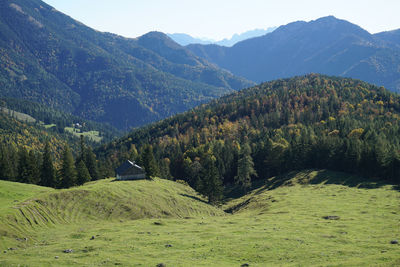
218	19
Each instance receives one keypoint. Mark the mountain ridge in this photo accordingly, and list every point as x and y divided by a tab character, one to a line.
185	39
50	58
327	45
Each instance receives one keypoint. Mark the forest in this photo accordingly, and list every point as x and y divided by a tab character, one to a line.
311	121
58	119
306	122
33	167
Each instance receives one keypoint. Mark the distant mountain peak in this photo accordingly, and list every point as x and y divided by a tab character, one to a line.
326	45
185	39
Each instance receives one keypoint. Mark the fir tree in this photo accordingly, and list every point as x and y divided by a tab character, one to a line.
23	166
149	163
210	184
34	164
91	164
245	168
83	175
7	171
67	171
48	175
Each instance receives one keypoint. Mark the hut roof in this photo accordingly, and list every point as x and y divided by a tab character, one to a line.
126	166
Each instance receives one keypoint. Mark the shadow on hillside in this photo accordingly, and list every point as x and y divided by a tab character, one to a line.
323	177
312	176
194	197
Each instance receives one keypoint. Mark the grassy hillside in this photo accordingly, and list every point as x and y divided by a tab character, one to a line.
26	210
282	222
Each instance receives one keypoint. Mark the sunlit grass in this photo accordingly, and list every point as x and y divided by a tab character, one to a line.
269	227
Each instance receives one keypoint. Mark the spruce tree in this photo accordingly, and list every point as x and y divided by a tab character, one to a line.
82	153
34	167
67	171
23	166
245	168
7	171
83	175
149	163
210	183
91	164
48	175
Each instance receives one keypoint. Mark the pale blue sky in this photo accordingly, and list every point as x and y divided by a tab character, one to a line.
218	19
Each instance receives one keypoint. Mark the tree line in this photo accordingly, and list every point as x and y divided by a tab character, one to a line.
313	121
21	165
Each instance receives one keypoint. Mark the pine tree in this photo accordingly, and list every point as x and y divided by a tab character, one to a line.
23	166
48	175
67	171
91	164
83	175
210	183
82	154
149	163
34	167
7	171
164	168
245	168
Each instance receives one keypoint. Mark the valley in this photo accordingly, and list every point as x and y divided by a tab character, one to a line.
277	147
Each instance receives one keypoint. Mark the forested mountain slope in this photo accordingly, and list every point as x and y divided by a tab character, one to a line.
311	121
47	57
327	45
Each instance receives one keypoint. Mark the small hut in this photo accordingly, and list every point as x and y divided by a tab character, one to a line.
130	171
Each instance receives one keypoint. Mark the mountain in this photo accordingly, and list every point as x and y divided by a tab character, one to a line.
245	35
327	45
390	37
311	121
49	58
186	39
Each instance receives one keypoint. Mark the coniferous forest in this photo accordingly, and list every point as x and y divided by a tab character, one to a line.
121	151
312	121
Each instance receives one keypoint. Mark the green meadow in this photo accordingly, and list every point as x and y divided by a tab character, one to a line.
308	218
93	135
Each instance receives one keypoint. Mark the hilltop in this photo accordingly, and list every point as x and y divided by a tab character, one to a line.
26	208
327	45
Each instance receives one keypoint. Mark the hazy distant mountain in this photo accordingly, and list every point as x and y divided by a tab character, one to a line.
48	57
243	36
327	45
185	39
390	37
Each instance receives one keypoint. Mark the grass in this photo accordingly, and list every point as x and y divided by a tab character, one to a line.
93	135
48	126
280	223
18	115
